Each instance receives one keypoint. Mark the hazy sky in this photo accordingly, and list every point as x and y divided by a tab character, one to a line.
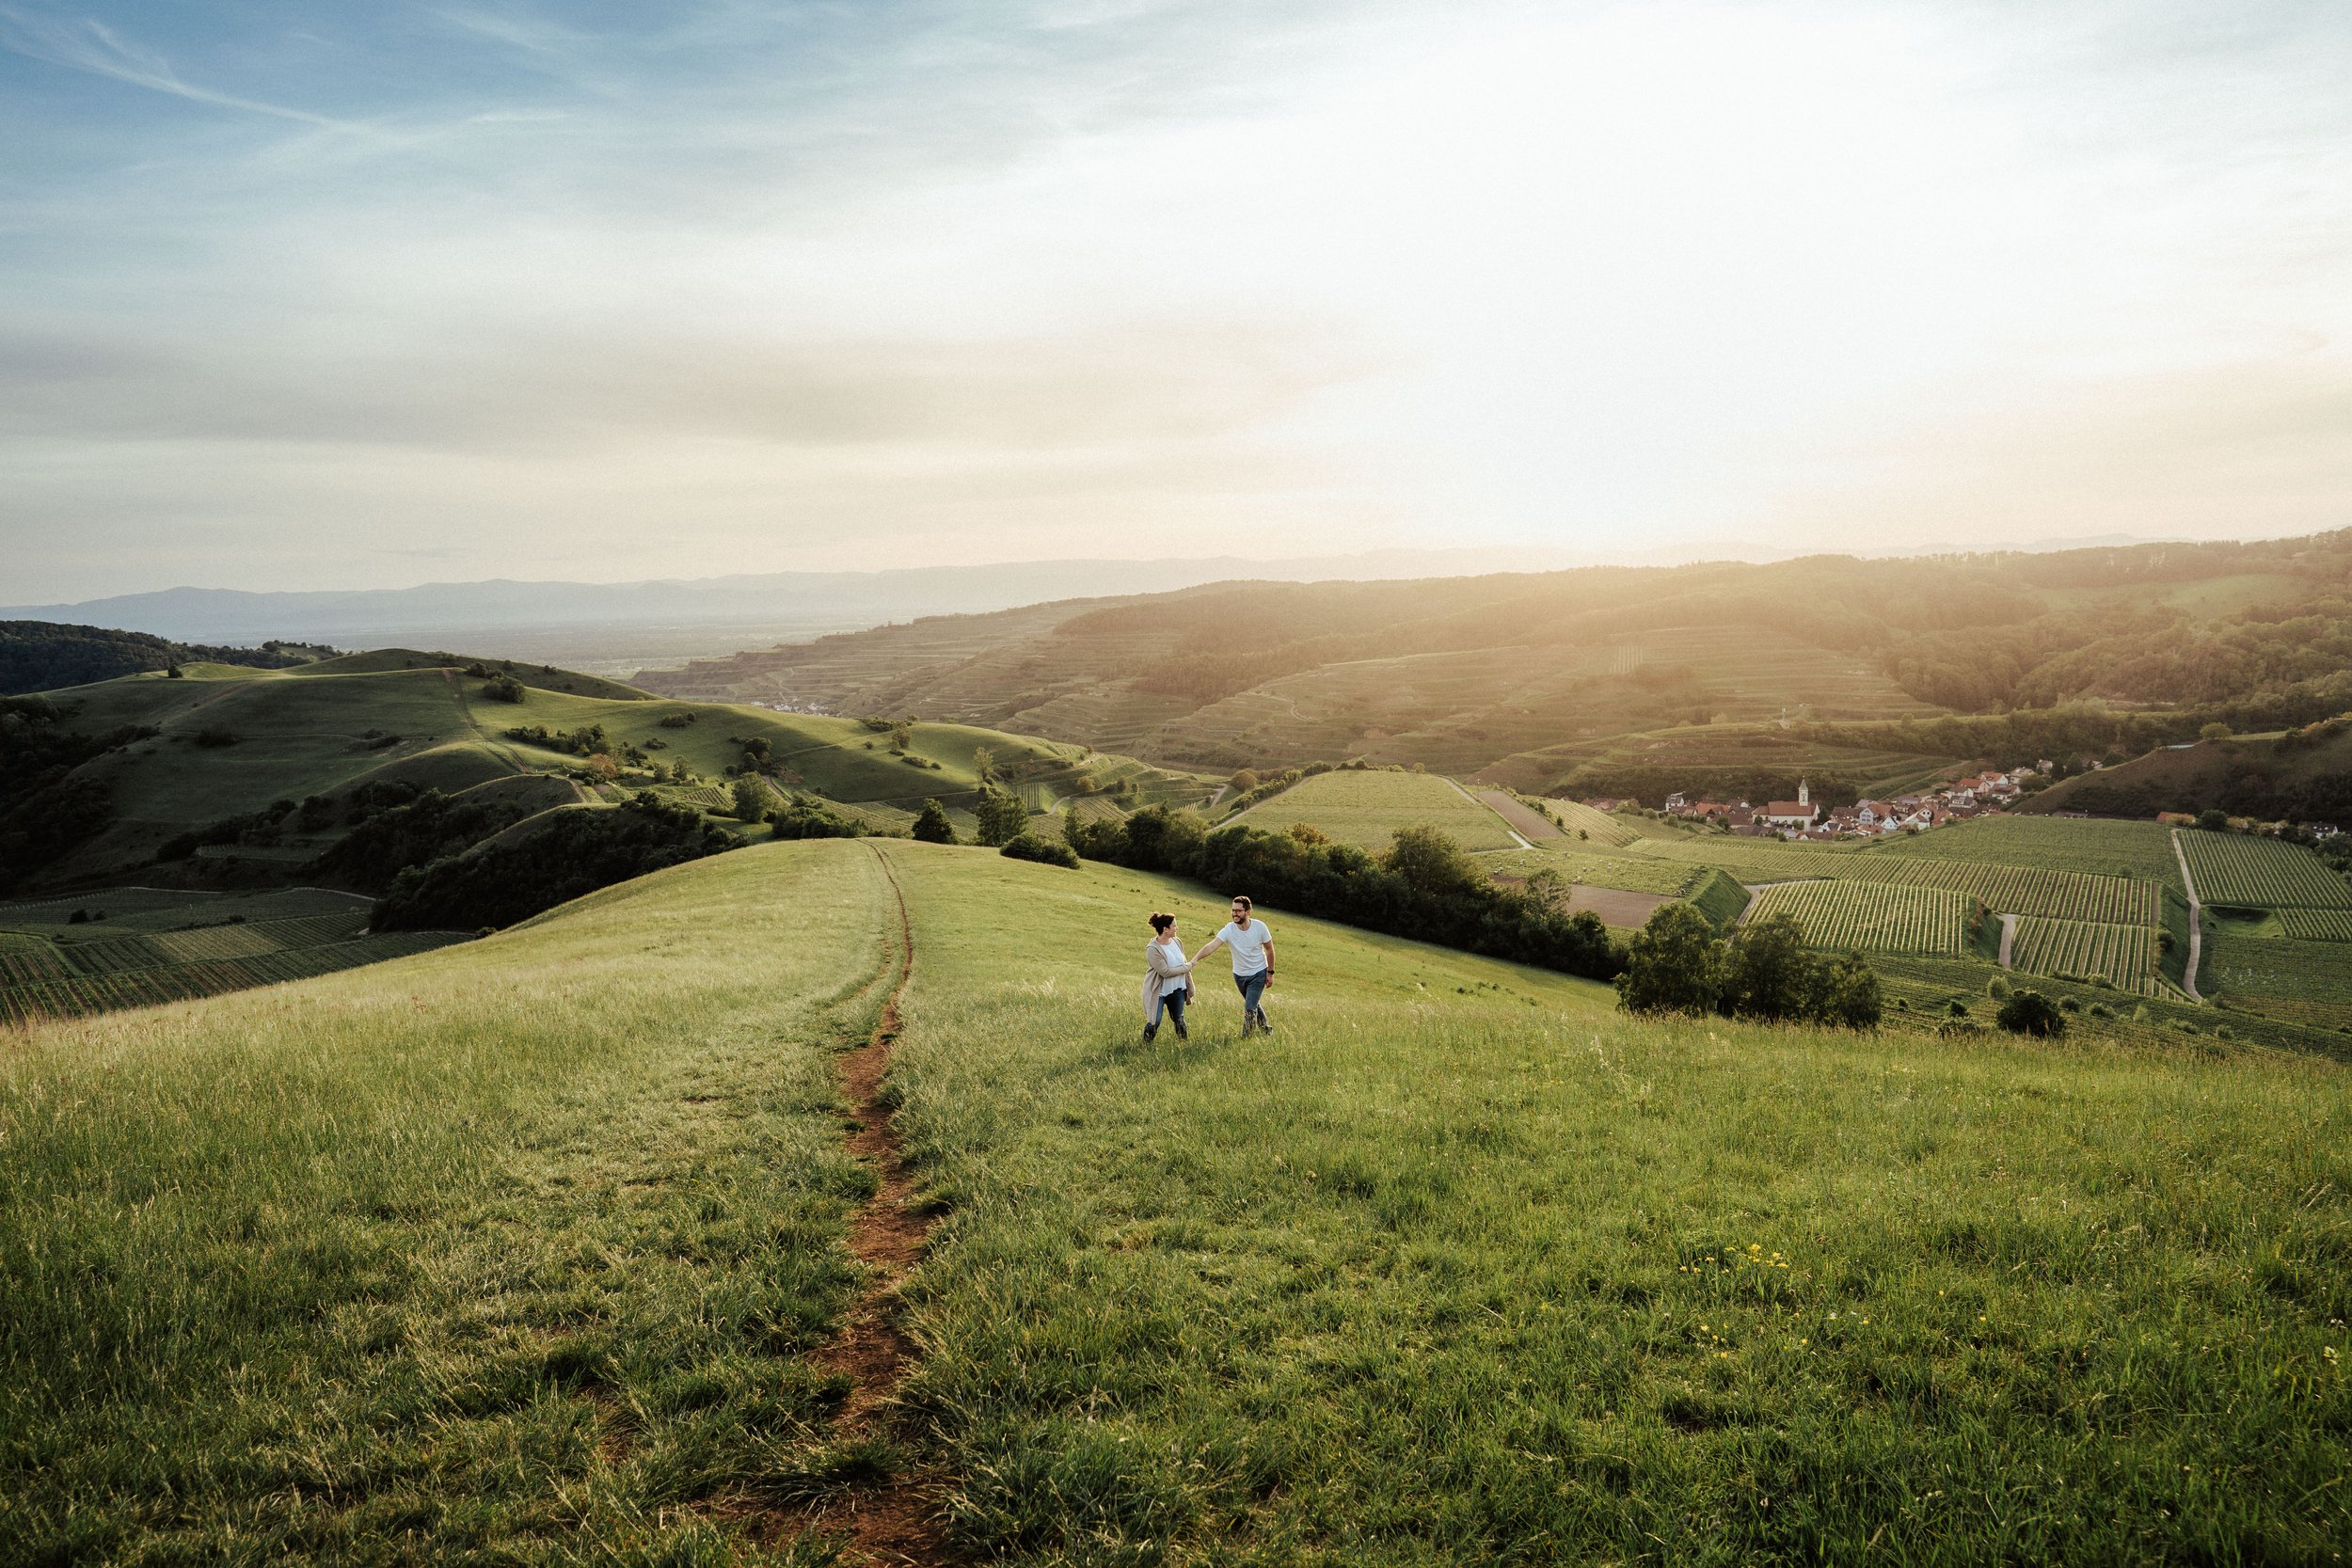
301	295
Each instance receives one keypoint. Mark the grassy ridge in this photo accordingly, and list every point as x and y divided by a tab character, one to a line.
1459	1281
501	1253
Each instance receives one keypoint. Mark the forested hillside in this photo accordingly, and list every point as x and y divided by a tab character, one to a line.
38	655
1729	675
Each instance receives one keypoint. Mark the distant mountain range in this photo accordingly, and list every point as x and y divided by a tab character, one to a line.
620	624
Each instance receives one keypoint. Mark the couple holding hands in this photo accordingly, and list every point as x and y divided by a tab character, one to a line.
1167	973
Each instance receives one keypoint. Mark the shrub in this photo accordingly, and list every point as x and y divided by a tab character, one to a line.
1045	851
808	818
2029	1012
931	825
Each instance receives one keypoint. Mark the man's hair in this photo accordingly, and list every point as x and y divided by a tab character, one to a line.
1162	922
1243	899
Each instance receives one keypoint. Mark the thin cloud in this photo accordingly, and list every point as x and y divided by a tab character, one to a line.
87	45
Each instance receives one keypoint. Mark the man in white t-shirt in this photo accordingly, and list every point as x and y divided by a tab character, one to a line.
1252	946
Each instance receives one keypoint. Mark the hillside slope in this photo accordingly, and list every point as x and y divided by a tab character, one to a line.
1458	1267
1591	680
227	753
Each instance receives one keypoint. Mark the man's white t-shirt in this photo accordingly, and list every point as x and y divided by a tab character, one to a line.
1247	945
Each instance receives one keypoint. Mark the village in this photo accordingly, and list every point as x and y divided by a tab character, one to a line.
1982	795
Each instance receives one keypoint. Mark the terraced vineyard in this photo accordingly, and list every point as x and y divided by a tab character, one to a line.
2096	847
192	944
2263	873
1879	917
2125	953
2318	925
2016	890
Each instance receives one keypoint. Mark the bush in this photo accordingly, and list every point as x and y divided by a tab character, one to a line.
931	825
1045	851
2029	1012
808	818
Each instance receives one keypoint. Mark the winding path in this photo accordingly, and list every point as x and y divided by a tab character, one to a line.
2196	921
895	1520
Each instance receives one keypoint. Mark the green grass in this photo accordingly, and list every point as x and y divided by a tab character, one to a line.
1454	1282
1873	916
1366	809
2262	873
517	1252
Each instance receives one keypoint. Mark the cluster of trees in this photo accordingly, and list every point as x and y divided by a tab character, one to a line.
568	854
429	828
591	741
44	655
1677	964
46	813
1424	886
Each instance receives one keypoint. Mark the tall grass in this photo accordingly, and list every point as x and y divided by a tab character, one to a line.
512	1253
1435	1276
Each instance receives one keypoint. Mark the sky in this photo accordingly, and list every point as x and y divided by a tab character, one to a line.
301	297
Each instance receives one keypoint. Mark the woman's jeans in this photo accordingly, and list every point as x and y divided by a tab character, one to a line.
1252	987
1174	1002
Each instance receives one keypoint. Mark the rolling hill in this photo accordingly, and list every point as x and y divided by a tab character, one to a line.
799	1197
267	770
1863	675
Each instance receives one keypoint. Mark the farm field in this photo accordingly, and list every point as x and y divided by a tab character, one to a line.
2088	845
2124	954
2318	925
1366	809
1873	916
1422	1279
2262	873
2278	967
198	944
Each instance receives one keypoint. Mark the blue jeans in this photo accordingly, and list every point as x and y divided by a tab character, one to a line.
1173	1001
1252	987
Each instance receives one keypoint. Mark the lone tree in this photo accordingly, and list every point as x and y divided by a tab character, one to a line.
2029	1012
1003	817
1673	964
931	825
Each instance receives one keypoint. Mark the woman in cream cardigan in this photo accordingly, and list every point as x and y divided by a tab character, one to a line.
1166	978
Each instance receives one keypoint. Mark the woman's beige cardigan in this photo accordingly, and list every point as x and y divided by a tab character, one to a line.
1155	969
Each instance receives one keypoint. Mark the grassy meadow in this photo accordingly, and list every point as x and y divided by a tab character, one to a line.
519	1252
